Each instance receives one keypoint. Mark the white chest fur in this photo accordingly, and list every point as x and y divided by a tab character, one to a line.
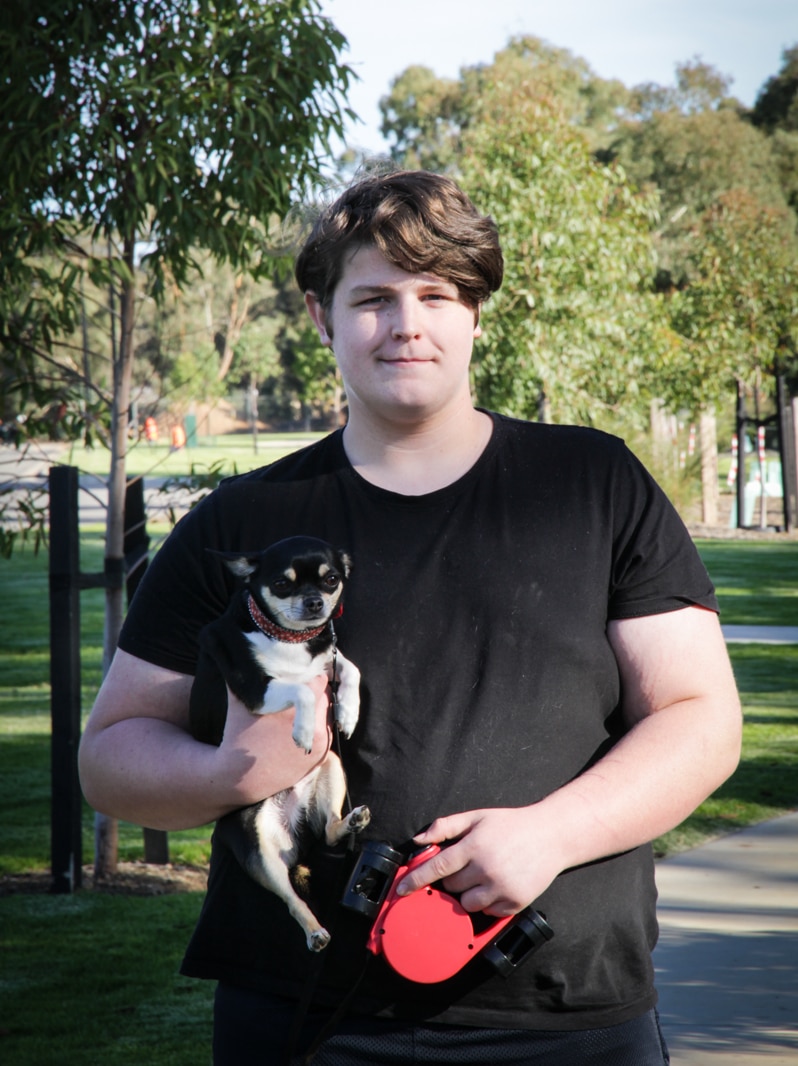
289	662
290	667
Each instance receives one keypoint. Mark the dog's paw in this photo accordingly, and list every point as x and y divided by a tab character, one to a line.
358	819
318	940
303	738
346	715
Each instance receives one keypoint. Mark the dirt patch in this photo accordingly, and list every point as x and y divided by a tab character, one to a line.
131	879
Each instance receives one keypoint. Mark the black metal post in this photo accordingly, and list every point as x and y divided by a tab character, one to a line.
789	475
66	849
741	429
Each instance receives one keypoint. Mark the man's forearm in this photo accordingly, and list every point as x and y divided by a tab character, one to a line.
504	858
138	760
648	783
152	773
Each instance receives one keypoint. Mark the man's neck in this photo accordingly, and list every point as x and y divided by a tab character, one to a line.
416	459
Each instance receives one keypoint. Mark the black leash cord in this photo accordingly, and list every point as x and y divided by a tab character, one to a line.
303	1005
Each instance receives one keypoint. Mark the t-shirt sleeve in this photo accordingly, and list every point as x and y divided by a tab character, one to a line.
184	588
656	566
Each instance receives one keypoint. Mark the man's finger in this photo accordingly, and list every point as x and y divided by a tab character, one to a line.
444	864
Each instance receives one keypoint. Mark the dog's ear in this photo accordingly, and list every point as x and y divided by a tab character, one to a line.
243	566
346	563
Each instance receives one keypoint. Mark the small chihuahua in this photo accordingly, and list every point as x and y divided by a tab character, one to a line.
275	636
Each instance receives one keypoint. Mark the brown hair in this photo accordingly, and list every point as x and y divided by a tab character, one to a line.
420	221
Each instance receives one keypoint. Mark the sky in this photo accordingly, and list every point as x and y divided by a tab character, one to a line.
632	40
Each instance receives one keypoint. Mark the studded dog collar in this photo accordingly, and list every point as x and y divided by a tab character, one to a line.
271	629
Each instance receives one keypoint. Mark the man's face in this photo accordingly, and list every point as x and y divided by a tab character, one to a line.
402	341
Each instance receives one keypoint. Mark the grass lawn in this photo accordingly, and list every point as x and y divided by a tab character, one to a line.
234	451
757	581
25	715
92	978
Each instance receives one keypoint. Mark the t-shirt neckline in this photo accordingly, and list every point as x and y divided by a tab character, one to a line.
437	495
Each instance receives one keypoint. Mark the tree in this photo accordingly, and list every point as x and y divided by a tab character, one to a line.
422	114
776	104
425	116
311	370
133	134
573	320
776	113
694	144
737	320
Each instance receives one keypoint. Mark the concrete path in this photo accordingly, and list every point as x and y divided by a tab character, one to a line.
727	960
760	634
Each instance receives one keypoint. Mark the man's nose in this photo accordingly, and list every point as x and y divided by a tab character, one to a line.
405	319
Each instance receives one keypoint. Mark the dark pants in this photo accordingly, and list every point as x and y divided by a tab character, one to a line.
251	1029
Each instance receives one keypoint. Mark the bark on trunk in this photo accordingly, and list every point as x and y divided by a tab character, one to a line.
106	851
710	492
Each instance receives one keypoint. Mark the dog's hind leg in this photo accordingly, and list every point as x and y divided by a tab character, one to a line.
262	842
271	872
328	802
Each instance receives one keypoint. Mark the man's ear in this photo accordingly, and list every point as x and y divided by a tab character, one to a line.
319	317
477	327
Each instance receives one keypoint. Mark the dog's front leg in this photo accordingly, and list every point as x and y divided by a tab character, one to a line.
280	695
347	705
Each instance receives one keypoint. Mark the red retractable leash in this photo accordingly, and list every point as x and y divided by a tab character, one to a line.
429	936
425	937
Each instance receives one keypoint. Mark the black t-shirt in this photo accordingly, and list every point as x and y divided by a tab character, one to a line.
477	615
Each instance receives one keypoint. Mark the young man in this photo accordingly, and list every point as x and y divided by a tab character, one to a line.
545	685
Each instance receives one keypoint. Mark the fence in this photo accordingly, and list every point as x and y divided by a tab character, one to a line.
66	583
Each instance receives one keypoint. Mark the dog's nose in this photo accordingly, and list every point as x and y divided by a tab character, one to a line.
314	604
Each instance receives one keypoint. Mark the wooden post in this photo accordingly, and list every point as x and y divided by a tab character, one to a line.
136	548
66	849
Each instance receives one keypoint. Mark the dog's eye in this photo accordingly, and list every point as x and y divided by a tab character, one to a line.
281	584
332	581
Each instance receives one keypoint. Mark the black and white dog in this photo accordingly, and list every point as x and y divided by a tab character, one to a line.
275	636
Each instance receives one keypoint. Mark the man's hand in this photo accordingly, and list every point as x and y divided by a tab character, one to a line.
258	752
494	862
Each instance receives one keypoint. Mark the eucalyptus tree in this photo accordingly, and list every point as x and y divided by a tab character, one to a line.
776	113
135	134
572	330
132	136
735	325
424	117
575	321
693	141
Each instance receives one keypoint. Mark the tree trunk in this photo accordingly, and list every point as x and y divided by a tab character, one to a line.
236	320
106	830
710	493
